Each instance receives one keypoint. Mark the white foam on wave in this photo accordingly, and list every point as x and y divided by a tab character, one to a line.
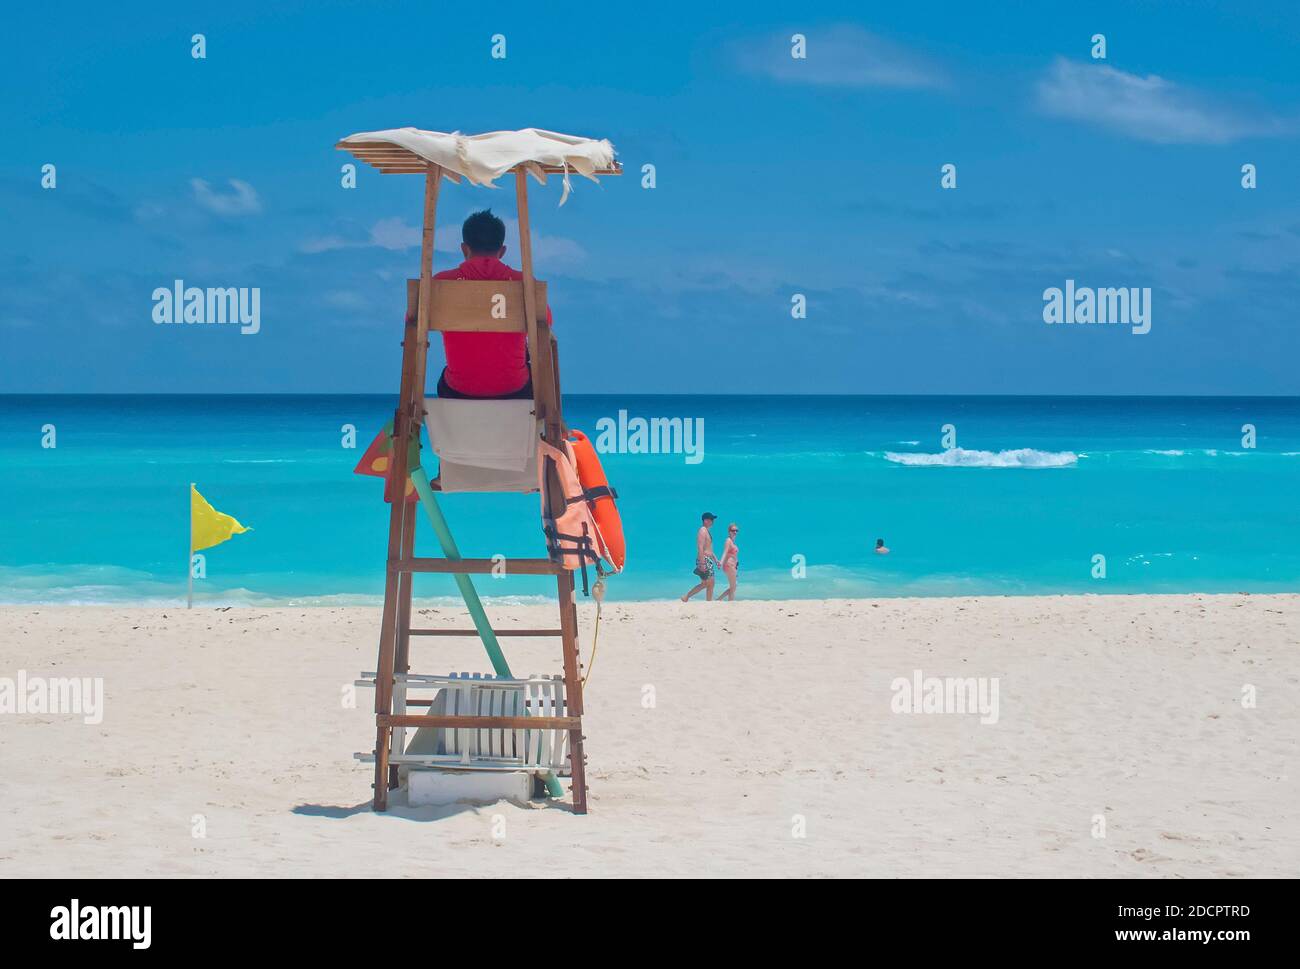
1025	457
1210	452
111	585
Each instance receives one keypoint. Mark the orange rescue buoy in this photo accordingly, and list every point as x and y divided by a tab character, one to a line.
600	498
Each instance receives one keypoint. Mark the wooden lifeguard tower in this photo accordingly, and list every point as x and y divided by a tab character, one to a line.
494	722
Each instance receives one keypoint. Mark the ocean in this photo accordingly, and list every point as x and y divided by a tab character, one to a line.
1035	495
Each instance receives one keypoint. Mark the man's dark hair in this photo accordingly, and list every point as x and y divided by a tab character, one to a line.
484	233
707	516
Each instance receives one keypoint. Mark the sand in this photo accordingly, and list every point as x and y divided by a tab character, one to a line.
755	738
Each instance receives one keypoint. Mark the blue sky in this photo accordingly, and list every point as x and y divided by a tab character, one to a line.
774	177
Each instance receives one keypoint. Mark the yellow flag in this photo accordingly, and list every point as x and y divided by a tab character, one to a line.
208	526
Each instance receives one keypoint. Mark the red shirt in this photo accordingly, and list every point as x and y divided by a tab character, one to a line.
485	364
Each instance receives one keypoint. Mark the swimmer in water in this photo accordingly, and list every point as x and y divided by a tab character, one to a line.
880	547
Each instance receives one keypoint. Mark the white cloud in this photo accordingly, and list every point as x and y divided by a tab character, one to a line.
346	299
844	55
149	211
394	233
398	235
556	251
1147	108
241	200
325	244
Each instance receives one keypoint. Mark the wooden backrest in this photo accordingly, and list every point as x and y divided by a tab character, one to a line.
474	305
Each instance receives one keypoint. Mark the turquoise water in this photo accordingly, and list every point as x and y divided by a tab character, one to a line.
1162	487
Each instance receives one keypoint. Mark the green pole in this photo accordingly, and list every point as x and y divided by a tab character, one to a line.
467	590
472	602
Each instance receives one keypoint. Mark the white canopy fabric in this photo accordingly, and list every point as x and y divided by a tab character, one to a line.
484	158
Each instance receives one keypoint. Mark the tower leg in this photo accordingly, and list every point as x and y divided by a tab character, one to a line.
385	665
573	690
402	650
394	636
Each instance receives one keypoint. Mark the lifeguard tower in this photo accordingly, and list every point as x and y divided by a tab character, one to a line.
475	726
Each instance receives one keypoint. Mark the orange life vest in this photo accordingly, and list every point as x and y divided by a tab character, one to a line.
574	538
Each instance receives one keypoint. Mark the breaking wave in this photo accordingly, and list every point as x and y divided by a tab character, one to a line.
1025	457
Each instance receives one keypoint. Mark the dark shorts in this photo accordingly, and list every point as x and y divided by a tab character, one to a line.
705	571
446	390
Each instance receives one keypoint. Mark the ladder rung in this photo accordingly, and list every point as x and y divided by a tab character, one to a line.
412	702
474	632
480	723
477	566
425	679
453	762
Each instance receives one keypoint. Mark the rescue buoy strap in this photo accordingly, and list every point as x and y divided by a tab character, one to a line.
591	494
583	542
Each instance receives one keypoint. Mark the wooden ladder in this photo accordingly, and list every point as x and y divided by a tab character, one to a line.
396	631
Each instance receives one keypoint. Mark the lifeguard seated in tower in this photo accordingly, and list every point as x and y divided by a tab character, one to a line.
484	365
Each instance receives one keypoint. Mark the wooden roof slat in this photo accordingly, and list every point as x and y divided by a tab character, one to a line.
393	159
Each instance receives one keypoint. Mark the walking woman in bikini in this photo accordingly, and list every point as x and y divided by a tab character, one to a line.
730	563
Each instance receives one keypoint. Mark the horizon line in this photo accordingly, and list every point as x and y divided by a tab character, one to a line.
387	393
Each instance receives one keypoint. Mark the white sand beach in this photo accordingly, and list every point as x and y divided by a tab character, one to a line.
764	715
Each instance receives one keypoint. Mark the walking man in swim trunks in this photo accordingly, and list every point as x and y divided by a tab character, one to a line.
705	562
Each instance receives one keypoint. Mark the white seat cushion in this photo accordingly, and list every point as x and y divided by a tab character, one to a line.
483	445
500	434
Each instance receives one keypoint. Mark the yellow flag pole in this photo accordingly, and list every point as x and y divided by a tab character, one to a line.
189	556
